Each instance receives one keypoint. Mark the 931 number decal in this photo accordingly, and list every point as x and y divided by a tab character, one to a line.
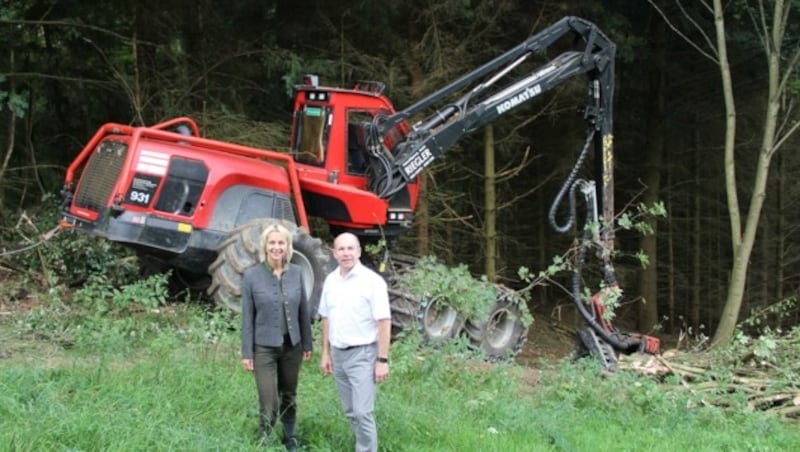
142	189
139	197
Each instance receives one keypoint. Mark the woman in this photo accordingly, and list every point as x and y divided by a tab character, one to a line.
276	331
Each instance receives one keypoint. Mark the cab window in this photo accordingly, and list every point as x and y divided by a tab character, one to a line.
311	134
357	157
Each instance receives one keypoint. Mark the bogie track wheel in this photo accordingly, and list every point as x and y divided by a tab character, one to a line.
504	333
404	308
438	321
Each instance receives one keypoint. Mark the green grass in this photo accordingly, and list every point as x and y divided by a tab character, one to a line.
171	380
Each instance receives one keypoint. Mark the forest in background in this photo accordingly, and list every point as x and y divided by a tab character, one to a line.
68	67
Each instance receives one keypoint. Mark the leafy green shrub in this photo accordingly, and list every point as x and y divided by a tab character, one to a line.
212	327
100	313
71	258
64	258
142	295
52	320
454	286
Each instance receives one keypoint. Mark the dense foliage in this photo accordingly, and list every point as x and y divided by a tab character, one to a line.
70	66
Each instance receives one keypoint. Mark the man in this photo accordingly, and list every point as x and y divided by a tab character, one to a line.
356	330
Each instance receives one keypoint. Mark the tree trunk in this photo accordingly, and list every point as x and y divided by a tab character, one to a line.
671	302
422	217
766	269
648	278
730	314
696	239
490	203
780	232
743	243
12	124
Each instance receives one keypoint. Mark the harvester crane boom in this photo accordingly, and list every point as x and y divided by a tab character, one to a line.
438	132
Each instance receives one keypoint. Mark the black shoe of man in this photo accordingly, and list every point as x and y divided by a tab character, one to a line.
290	443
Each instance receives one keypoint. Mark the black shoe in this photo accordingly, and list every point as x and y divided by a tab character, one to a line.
290	443
265	437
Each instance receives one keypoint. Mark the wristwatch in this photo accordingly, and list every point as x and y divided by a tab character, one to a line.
383	360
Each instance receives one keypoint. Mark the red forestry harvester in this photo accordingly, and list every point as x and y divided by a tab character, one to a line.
197	206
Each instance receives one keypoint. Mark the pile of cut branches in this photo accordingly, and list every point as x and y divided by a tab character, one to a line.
756	374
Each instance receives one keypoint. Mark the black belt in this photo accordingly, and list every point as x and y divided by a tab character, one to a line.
350	347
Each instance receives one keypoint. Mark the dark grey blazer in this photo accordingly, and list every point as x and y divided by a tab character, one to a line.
261	298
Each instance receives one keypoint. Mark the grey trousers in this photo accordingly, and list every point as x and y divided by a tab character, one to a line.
277	370
354	371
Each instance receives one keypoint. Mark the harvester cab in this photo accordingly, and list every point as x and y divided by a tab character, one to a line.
329	143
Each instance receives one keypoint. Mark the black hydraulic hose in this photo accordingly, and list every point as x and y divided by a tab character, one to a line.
382	180
391	182
591	318
569	186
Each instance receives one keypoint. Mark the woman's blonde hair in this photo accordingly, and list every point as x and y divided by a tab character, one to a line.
262	250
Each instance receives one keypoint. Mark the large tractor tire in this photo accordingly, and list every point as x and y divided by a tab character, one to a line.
503	334
404	305
437	321
404	309
240	250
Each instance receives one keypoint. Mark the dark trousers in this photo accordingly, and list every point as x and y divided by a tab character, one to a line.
276	371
